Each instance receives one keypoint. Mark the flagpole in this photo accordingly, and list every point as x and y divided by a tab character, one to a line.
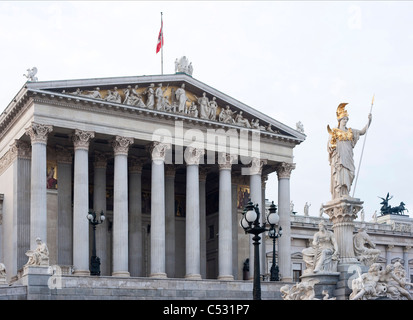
161	45
362	150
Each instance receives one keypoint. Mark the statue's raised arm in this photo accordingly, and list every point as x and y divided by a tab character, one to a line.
364	130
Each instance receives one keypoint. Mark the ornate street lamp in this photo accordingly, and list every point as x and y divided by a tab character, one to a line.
273	219
95	260
250	223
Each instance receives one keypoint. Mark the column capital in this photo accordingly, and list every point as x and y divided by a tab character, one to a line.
158	149
20	149
343	211
255	167
81	139
101	160
284	170
407	248
225	160
38	132
193	155
121	145
63	155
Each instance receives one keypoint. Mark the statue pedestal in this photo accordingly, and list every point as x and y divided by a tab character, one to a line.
348	272
327	282
35	272
342	212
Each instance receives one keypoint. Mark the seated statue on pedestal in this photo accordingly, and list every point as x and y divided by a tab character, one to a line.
364	248
39	256
323	255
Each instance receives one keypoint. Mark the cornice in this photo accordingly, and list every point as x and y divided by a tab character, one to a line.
14	111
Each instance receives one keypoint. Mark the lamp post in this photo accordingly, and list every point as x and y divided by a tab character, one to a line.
94	260
250	223
273	219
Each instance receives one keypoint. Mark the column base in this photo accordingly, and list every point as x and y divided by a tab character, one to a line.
228	277
81	273
158	275
120	274
193	277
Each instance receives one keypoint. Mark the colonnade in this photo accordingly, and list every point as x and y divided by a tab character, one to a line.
127	228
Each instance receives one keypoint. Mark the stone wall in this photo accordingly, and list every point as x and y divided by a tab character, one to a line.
43	286
13	293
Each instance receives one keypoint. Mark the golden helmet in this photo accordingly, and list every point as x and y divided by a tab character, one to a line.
341	112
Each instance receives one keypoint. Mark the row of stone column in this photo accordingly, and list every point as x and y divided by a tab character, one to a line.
127	227
38	202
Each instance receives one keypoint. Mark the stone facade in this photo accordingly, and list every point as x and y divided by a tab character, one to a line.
171	182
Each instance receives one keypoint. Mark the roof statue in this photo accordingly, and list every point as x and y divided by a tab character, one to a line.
387	209
183	65
300	127
31	74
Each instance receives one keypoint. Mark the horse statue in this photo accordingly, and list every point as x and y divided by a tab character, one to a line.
399	209
387	209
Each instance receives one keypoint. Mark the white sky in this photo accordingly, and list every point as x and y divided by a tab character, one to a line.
295	61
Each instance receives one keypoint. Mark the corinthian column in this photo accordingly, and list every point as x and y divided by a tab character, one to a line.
342	212
225	271
158	153
81	140
170	220
193	256
135	218
203	172
120	207
99	205
20	151
65	214
284	243
38	203
255	171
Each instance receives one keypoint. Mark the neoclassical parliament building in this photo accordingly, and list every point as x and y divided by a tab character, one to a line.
169	161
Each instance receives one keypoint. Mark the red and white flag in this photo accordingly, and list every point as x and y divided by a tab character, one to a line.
160	38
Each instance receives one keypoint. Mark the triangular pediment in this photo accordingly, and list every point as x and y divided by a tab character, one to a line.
179	94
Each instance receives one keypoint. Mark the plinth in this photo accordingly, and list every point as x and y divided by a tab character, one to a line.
325	283
342	212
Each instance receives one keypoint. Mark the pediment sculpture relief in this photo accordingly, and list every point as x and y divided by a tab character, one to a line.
174	99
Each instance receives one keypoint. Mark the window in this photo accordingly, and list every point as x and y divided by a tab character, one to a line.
296	275
297	272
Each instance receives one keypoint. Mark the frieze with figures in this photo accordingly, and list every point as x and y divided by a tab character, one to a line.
174	99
